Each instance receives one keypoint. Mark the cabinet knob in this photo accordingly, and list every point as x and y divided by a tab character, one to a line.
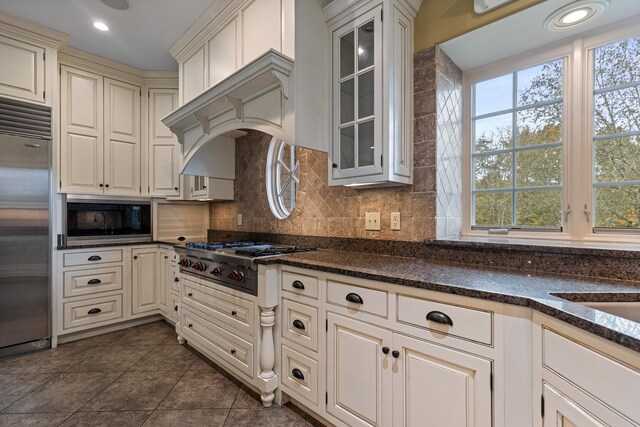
297	373
190	325
166	257
334	165
190	294
439	317
176	280
175	188
175	308
298	324
101	185
395	353
233	351
204	187
135	257
106	185
354	298
385	350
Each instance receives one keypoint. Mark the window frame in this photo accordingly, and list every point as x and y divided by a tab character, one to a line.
577	178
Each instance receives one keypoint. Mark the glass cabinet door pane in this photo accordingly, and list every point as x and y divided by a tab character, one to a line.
347	148
346	54
365	45
365	143
365	95
346	101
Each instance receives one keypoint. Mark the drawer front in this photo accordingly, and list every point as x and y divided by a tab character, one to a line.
92	281
300	284
71	259
300	375
300	324
468	323
175	280
607	380
94	311
225	345
174	306
225	308
370	300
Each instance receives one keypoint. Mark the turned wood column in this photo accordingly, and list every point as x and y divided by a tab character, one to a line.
267	352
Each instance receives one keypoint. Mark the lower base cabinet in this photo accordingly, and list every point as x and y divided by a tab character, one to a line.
560	411
376	377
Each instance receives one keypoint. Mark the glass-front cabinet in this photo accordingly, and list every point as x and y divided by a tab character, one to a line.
372	92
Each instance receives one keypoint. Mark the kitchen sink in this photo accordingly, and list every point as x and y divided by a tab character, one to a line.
629	309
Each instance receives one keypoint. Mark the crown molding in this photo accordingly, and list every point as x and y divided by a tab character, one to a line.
30	31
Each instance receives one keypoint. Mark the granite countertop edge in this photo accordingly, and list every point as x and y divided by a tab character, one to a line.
606	326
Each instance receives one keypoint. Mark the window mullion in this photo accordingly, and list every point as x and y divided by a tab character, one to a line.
514	133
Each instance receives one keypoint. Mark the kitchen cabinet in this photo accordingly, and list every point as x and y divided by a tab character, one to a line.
144	275
164	150
29	58
204	188
560	411
100	127
372	92
165	275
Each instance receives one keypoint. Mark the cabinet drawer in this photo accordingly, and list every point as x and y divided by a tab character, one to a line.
225	345
300	284
607	380
372	301
93	257
225	308
92	281
300	324
300	375
175	280
93	311
471	324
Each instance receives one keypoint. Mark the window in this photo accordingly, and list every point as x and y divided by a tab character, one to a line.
282	178
554	144
616	135
517	148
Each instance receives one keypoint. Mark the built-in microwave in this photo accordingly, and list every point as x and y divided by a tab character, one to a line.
95	221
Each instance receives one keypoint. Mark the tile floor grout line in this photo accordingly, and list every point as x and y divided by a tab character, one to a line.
100	391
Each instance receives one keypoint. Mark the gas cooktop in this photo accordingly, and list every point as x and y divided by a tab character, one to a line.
246	248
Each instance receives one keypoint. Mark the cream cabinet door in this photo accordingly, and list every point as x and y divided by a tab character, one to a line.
359	382
438	386
193	75
261	28
81	116
144	289
163	280
224	52
164	150
22	70
122	138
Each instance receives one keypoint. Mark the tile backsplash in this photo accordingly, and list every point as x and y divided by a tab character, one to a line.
340	211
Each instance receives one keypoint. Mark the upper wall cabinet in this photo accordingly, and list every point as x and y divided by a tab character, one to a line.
28	55
164	150
100	129
372	92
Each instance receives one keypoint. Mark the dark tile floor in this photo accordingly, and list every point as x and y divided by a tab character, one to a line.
135	377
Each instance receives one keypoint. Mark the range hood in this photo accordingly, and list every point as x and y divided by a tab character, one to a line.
258	96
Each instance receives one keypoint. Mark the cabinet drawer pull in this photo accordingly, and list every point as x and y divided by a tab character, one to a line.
94	258
233	351
190	325
297	373
234	313
94	282
297	284
439	317
176	280
354	298
175	308
395	353
298	324
190	294
94	311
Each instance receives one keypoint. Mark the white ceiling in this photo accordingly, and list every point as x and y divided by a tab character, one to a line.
139	36
524	31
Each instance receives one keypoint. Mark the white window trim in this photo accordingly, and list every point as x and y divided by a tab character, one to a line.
576	132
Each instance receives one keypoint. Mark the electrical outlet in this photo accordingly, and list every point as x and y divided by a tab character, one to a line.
239	219
395	220
372	221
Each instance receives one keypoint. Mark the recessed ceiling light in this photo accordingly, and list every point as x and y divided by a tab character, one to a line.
575	14
101	26
117	4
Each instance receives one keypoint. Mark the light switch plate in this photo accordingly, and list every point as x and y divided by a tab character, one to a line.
372	221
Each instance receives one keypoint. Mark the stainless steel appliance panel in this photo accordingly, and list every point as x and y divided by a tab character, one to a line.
24	240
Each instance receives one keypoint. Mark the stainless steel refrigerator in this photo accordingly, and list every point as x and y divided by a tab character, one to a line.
25	248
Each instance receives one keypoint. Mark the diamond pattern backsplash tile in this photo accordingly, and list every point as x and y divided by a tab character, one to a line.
339	211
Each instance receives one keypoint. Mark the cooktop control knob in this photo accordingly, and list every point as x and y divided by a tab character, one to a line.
199	266
216	271
184	262
236	275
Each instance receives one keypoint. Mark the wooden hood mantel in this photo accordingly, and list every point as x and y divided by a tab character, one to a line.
258	96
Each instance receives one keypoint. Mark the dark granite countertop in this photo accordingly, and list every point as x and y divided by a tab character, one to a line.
527	289
110	245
